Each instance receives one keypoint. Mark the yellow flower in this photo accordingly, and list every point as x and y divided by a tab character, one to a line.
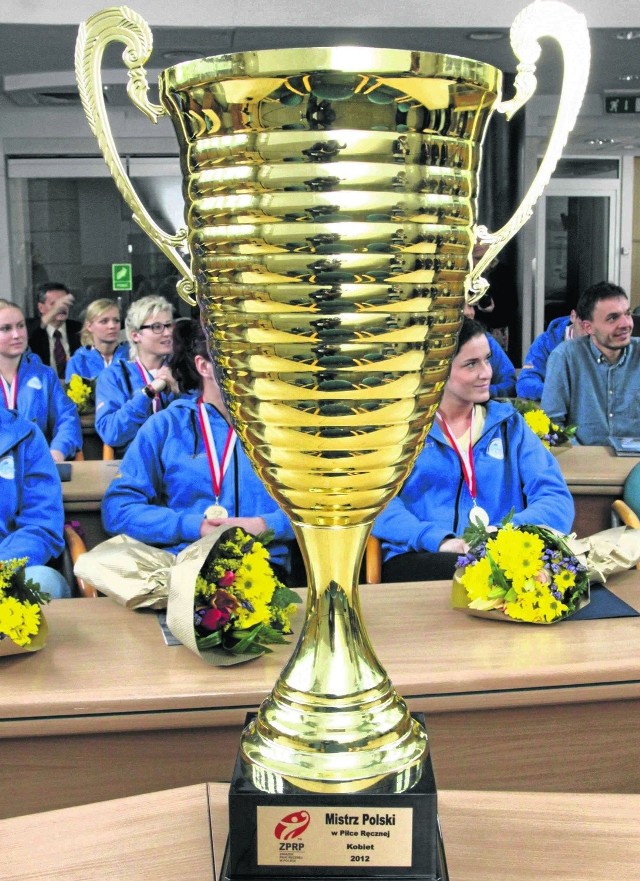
477	580
8	569
254	587
80	392
518	554
19	621
537	606
538	422
565	579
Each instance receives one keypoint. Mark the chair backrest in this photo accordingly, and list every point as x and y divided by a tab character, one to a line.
631	493
373	561
74	547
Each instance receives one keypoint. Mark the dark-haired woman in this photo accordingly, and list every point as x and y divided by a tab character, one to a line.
184	474
480	460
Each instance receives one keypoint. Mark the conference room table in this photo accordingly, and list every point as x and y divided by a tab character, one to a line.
106	709
595	477
180	834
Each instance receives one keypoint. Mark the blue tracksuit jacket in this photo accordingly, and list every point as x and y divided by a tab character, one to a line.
121	406
87	362
503	375
513	470
164	484
31	514
534	369
42	399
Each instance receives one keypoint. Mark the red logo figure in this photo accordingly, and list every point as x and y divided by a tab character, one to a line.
292	826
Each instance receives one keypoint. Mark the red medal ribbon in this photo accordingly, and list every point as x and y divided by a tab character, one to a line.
466	461
148	378
217	469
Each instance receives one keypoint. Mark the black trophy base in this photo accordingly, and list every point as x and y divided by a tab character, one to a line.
358	836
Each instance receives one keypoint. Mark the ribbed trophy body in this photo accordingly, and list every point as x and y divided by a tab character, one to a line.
330	205
330	201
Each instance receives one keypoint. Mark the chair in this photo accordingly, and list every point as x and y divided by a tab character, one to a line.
79	456
623	511
108	453
74	546
373	561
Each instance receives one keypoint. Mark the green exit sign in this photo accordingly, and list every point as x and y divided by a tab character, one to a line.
121	277
622	104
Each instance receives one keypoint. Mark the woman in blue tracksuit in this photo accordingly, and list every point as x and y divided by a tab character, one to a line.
31	513
534	367
100	338
33	389
504	467
184	475
130	391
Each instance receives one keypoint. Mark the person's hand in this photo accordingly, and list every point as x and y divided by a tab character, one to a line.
57	456
454	546
252	525
164	379
59	311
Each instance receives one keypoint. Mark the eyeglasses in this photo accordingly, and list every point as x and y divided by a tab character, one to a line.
157	327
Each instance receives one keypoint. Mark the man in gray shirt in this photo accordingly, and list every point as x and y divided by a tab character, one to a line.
594	382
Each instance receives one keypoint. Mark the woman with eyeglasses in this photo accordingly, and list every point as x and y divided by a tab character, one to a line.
131	391
100	338
184	474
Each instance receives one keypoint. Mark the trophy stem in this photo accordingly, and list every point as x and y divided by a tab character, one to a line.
334	722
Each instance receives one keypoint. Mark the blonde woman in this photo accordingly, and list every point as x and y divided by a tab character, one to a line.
33	390
131	391
100	339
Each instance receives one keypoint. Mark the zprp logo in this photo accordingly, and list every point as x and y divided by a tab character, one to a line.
292	826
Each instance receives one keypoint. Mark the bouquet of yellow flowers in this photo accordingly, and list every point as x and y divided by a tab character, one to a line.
550	434
240	604
522	573
82	392
22	624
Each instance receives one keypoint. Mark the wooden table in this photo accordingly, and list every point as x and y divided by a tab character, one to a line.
106	709
82	496
595	477
180	834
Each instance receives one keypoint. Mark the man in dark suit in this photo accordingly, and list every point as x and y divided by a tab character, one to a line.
53	336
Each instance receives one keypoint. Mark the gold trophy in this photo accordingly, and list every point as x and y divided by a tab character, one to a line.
330	207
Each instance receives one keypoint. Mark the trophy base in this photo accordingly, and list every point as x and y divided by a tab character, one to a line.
299	835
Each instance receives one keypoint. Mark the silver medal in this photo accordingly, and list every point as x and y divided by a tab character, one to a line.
479	516
215	512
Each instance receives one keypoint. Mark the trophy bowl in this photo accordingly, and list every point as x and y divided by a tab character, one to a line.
330	206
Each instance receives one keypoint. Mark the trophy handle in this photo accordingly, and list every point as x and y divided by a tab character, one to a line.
124	25
543	18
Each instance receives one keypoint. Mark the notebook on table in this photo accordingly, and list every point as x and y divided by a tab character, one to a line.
625	446
64	470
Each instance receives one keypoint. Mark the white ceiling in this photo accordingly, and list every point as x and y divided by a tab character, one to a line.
37	44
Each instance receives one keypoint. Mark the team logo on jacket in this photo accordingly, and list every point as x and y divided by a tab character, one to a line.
34	382
292	825
496	450
7	468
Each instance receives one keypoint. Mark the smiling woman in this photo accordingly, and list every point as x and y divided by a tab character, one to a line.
129	392
479	461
